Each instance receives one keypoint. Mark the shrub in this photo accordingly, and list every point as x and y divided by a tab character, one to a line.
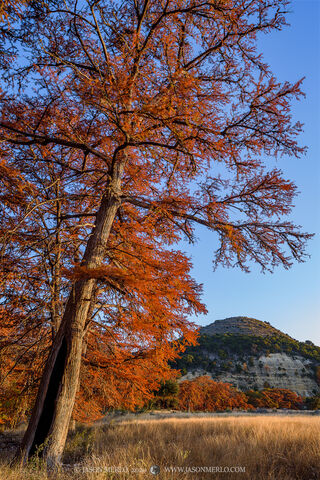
274	398
313	403
203	393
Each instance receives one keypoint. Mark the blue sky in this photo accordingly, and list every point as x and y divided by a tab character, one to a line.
288	299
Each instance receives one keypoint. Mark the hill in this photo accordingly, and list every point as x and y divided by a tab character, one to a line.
249	354
241	326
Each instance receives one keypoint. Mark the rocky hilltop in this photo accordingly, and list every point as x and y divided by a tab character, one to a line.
241	326
251	354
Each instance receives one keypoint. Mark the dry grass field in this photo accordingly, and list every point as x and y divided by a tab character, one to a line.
255	448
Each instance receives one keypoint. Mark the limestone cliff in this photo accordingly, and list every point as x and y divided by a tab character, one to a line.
251	354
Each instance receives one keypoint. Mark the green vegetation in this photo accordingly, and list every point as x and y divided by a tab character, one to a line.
313	403
241	326
228	345
166	396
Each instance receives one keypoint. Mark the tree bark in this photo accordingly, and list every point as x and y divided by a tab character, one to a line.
48	426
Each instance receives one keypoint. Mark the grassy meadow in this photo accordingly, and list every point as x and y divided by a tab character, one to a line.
266	447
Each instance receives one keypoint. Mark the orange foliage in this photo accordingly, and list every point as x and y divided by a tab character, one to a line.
274	398
162	95
140	311
128	349
204	394
8	7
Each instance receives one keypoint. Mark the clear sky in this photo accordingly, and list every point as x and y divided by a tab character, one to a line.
288	299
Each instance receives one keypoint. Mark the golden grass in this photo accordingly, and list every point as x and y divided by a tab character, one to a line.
268	447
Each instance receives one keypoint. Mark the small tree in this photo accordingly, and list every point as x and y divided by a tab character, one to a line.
274	398
204	394
313	403
167	395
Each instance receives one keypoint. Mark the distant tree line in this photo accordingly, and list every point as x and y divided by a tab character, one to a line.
204	394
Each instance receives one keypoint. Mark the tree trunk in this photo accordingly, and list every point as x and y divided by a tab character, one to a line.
72	425
48	426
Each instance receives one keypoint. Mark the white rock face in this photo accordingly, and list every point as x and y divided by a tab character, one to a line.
278	370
